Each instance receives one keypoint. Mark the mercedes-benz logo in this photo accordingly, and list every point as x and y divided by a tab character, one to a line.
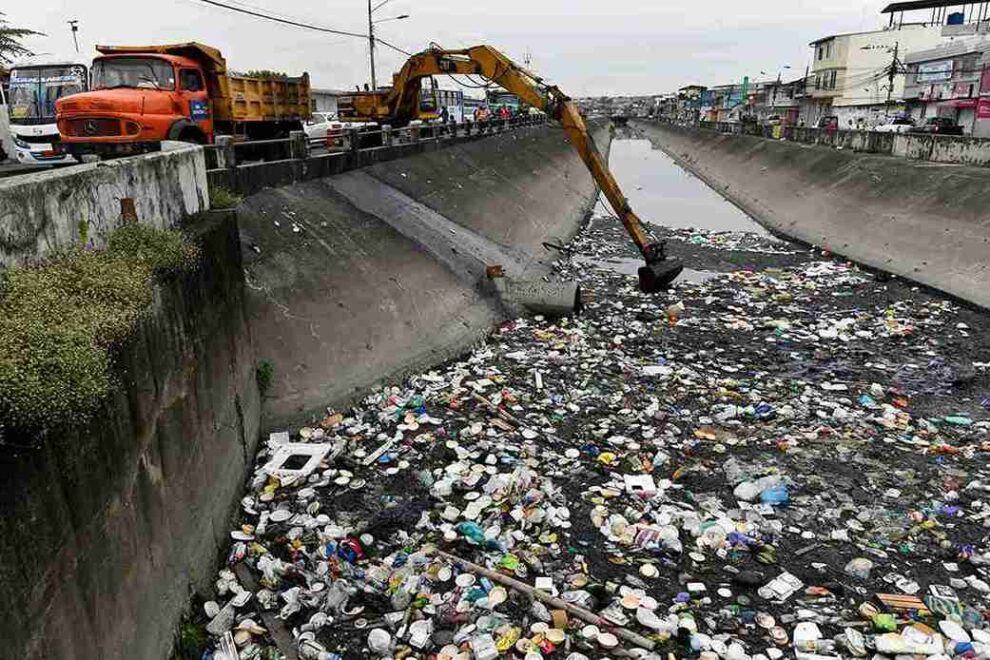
90	128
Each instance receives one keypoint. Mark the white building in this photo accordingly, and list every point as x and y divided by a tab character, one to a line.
325	100
850	73
850	76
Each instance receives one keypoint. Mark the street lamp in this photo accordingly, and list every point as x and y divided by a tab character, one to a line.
371	34
773	103
74	26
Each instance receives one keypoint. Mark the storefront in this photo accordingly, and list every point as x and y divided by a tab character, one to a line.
963	111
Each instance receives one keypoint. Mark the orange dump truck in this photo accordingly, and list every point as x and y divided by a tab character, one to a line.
141	95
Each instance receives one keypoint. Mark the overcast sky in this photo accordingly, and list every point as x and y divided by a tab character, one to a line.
587	47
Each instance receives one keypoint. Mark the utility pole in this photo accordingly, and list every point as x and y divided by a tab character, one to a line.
74	26
890	78
371	47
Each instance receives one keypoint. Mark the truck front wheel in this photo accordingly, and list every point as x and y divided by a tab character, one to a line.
186	131
192	135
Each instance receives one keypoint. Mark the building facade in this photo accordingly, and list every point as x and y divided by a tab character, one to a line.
947	82
850	75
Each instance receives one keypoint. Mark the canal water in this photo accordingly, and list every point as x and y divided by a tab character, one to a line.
662	193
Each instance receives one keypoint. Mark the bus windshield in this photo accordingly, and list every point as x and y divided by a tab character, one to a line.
34	90
140	72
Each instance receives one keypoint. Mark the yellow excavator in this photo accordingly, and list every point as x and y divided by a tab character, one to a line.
400	105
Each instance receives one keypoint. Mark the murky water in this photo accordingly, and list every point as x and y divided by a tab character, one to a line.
662	193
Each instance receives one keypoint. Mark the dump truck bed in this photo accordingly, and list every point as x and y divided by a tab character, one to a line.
262	99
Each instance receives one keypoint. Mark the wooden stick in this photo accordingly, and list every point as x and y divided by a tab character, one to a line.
276	627
578	612
504	414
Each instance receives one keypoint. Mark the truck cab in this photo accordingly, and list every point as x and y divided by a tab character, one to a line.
135	102
143	95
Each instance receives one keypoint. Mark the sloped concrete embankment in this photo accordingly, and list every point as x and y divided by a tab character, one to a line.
923	221
370	274
108	525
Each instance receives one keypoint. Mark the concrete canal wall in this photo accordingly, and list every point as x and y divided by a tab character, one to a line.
924	221
963	150
344	288
46	211
109	524
340	282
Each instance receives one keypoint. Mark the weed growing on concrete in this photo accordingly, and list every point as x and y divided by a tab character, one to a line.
190	641
59	322
263	374
221	198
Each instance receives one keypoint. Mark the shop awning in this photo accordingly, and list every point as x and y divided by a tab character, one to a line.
960	104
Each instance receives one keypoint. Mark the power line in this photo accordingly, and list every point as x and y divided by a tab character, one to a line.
294	23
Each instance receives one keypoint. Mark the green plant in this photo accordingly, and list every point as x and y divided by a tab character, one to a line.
221	198
83	233
190	640
263	374
59	322
265	74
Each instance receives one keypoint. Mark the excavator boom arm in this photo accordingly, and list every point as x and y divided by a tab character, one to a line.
403	105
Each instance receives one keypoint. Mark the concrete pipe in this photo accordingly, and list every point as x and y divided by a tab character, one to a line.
539	297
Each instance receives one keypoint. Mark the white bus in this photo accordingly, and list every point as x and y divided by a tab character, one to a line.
35	84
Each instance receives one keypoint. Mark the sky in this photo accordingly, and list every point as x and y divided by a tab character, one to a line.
586	47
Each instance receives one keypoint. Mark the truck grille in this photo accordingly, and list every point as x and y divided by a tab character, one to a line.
91	127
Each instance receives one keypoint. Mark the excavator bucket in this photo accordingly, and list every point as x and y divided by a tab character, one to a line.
659	275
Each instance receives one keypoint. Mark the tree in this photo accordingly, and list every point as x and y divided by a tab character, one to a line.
265	74
10	41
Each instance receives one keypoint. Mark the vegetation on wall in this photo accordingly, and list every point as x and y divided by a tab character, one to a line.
222	198
264	372
59	323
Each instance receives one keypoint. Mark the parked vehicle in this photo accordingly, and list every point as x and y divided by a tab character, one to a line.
896	125
142	95
939	126
319	124
36	84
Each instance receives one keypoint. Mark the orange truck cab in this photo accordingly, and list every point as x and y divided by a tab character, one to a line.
142	95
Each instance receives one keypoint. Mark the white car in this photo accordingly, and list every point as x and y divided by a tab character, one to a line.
899	125
316	127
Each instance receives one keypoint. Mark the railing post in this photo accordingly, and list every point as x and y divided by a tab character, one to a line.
355	136
226	156
298	149
387	135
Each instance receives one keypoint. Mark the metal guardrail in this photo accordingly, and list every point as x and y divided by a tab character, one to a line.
228	153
